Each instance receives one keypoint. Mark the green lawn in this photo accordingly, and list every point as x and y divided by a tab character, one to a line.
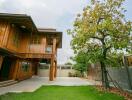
62	93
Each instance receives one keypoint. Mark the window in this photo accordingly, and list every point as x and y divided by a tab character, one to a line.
36	39
49	49
25	66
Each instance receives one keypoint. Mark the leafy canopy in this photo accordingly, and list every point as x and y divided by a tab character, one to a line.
101	30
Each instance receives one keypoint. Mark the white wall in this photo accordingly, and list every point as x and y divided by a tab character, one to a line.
60	72
64	72
43	72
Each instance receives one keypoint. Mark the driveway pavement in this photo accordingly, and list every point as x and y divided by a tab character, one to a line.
36	82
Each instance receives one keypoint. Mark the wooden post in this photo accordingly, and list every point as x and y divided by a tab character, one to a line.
52	66
51	75
54	46
55	74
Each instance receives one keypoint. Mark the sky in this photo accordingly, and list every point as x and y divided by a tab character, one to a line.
59	14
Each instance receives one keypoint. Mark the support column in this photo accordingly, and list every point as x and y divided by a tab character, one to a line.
51	74
52	66
55	74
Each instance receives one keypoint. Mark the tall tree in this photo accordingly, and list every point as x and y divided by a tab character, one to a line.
100	31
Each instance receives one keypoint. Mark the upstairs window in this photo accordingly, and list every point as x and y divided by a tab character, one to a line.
48	49
36	40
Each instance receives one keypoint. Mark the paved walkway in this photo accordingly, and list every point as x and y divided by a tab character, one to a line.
35	82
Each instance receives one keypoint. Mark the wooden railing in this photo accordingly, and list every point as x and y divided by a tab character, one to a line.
36	55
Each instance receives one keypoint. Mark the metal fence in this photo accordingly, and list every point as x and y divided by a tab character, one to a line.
119	75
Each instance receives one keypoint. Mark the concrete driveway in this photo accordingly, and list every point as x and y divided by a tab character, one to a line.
36	82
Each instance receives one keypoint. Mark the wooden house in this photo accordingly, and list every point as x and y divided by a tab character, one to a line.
23	46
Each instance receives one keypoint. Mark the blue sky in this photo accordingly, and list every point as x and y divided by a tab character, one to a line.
58	14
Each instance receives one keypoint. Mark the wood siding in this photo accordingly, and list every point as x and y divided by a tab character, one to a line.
8	36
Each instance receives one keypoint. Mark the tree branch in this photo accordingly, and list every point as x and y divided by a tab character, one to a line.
99	20
97	38
108	47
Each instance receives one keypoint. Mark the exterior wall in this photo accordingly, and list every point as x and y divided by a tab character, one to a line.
14	69
18	72
39	48
4	32
8	39
22	73
13	41
24	43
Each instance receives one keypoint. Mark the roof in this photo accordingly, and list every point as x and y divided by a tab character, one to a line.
25	22
47	29
22	20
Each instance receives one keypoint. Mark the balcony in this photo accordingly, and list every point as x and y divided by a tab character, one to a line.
36	55
38	51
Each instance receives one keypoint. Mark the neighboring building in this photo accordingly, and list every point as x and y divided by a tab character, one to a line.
23	46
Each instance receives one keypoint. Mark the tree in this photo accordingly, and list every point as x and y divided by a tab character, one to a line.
81	62
68	63
101	31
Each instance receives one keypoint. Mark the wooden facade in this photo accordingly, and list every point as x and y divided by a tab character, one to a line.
23	47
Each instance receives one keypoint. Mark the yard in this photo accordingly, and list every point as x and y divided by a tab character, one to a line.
62	93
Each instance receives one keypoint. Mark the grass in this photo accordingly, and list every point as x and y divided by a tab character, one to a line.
63	93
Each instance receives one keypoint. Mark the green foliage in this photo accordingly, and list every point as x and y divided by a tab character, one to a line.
81	64
101	30
68	63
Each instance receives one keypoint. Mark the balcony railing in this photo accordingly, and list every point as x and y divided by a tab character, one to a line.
36	55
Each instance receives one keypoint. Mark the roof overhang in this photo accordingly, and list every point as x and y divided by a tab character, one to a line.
24	21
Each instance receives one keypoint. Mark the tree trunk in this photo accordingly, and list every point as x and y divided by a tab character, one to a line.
102	74
105	81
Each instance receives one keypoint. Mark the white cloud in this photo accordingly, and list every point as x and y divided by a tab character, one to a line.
49	13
